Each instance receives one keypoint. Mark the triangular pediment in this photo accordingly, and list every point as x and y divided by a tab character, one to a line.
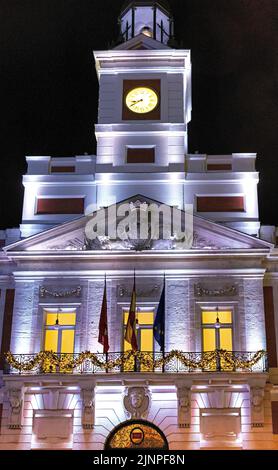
71	236
142	42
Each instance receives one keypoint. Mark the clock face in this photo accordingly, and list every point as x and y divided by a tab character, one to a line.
141	100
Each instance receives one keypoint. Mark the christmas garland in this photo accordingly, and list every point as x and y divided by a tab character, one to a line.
50	362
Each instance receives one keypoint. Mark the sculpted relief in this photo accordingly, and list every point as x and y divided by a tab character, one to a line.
136	402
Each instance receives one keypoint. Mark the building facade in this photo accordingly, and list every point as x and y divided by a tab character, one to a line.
214	385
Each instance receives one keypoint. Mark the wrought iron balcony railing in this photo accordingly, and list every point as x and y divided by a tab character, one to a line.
140	362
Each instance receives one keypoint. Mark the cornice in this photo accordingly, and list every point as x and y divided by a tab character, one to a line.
115	274
170	255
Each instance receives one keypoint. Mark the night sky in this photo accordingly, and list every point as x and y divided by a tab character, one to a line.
49	88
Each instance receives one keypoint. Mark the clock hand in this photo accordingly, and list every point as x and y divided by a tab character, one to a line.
135	102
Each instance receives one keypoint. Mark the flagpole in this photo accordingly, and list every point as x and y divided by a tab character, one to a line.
106	352
130	331
136	334
103	324
106	362
163	340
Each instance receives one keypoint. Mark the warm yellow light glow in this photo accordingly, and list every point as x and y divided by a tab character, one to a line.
144	318
141	100
67	342
144	337
209	318
59	338
217	338
147	32
226	341
68	319
209	342
51	340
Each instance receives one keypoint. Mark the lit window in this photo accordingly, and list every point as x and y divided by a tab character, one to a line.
144	330
217	331
59	331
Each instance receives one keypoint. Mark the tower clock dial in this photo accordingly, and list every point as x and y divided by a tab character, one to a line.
141	100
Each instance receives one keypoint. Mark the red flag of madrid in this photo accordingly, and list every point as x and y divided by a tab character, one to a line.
103	325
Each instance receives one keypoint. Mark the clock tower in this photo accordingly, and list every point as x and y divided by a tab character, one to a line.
144	109
142	134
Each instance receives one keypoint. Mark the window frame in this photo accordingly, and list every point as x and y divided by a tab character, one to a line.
139	309
218	196
139	148
53	310
231	326
39	213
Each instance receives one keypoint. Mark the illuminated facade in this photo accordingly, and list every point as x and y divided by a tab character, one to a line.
220	295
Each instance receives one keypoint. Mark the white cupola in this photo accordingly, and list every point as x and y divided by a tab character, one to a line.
152	18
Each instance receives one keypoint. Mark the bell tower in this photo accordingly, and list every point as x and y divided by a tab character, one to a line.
144	108
152	18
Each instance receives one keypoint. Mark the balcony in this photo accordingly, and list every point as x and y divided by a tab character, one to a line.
174	362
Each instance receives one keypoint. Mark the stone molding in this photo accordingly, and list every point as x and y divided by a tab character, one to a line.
44	292
16	400
257	406
201	291
88	407
184	406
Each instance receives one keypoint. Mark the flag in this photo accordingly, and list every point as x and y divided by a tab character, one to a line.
159	323
103	325
130	332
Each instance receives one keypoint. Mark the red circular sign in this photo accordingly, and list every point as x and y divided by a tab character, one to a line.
137	436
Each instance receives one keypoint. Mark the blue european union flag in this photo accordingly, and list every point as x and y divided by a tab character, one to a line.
159	323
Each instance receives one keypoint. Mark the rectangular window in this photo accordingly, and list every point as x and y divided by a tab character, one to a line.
62	169
220	204
140	155
219	167
51	340
145	339
210	317
60	206
217	332
59	331
209	343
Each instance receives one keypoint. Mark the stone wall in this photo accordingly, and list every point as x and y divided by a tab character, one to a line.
109	412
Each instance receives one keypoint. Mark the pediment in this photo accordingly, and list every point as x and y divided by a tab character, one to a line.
71	236
141	42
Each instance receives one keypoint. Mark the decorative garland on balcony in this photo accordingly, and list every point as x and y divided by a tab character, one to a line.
50	362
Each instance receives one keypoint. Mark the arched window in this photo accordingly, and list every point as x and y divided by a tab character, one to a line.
136	434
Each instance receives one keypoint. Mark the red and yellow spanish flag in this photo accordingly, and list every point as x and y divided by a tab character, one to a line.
130	332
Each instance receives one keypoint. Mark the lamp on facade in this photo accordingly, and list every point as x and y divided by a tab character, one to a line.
57	324
217	324
147	31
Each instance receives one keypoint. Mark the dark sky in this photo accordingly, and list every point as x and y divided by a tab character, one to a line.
49	89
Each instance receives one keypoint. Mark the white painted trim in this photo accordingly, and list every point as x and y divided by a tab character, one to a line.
38	158
103	380
63	196
179	274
